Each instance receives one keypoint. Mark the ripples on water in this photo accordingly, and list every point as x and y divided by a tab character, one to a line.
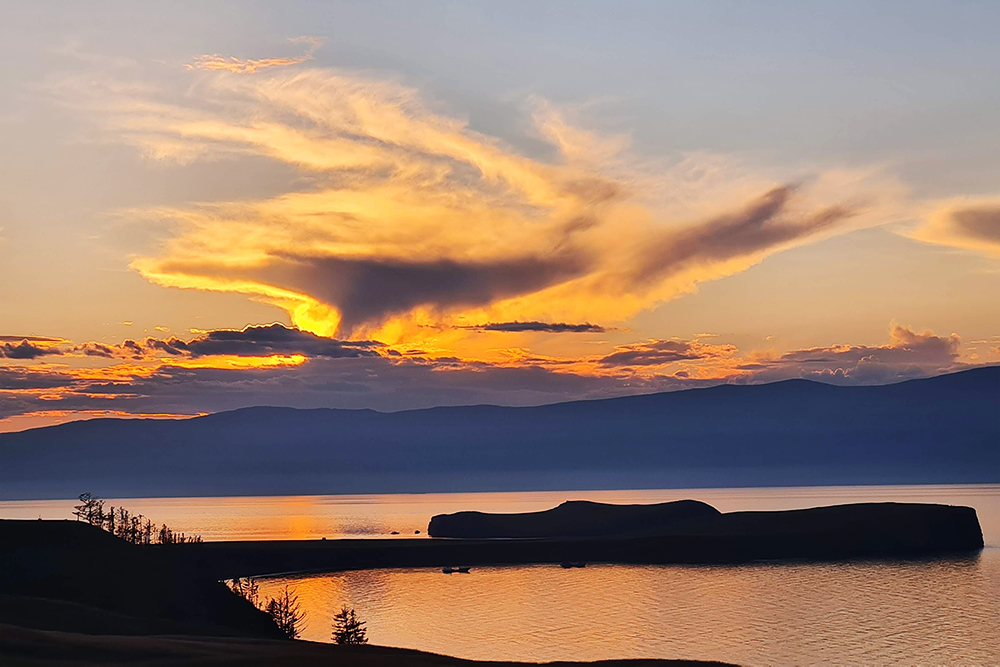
917	613
942	612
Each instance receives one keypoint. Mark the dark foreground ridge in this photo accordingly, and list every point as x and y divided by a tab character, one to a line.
72	594
69	575
941	430
24	647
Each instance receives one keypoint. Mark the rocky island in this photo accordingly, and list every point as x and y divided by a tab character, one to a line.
692	531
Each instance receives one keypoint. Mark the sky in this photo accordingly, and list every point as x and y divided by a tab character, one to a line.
206	206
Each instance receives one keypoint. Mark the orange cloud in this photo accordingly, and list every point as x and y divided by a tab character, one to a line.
216	62
232	371
969	223
417	220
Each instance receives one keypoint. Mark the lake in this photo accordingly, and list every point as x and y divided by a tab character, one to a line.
931	612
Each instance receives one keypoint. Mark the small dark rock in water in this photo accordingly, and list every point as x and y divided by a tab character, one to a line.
416	532
323	538
395	532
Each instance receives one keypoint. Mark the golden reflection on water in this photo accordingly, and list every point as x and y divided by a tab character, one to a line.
378	515
941	612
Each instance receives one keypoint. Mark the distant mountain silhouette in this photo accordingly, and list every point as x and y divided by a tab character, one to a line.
938	430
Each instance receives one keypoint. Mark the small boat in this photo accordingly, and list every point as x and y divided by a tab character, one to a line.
455	570
463	570
447	570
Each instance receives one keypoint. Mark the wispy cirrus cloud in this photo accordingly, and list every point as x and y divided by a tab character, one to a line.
216	62
969	223
413	218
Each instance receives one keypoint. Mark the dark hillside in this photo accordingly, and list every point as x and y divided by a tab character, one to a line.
72	575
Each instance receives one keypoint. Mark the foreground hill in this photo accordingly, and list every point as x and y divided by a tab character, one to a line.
938	430
23	647
67	575
73	594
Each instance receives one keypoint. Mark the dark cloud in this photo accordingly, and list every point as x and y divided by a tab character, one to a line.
351	375
98	350
31	339
982	222
656	352
376	382
23	377
367	290
25	350
545	327
265	340
761	225
909	354
252	341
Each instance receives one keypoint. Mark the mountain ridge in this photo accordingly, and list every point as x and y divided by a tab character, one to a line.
933	430
995	371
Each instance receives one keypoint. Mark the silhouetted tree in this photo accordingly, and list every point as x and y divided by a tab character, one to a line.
90	509
133	528
123	523
247	588
347	629
110	519
286	613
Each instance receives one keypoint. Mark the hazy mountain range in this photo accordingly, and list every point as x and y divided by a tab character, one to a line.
939	430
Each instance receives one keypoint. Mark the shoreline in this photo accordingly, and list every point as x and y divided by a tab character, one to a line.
25	647
863	531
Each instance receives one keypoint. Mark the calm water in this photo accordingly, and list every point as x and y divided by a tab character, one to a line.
925	613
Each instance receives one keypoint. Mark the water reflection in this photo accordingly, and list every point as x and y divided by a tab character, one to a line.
936	612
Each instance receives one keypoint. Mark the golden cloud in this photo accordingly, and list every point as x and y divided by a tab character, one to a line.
969	223
237	368
418	226
249	66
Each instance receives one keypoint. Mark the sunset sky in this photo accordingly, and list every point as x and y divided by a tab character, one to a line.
206	206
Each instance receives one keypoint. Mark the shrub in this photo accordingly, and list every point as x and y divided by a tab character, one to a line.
347	629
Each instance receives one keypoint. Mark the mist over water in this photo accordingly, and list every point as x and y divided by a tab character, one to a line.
928	612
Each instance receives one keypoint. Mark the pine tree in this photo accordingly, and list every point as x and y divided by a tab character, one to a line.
347	629
247	588
286	613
